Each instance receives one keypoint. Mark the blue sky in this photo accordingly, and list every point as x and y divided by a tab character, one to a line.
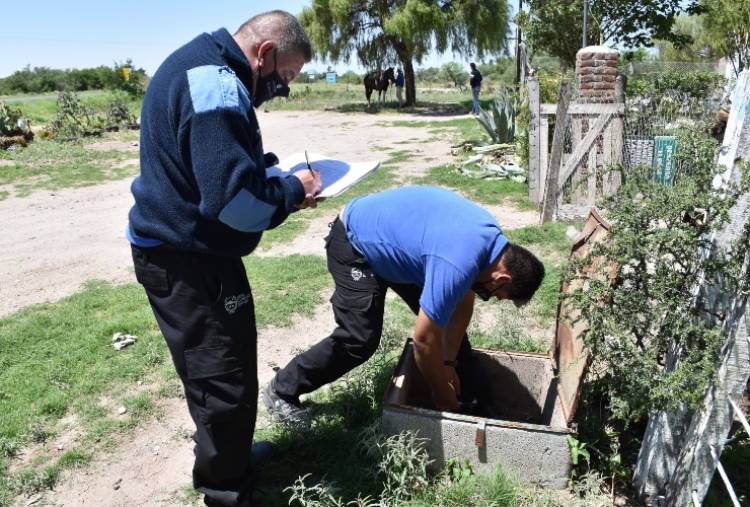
87	33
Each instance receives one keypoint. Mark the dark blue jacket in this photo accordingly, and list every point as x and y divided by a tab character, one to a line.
399	79
475	79
203	184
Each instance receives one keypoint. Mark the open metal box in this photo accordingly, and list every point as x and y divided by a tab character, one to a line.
533	400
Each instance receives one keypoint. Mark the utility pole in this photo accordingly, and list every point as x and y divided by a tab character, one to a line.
585	23
518	47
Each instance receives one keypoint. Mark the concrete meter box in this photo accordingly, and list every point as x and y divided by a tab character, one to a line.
532	399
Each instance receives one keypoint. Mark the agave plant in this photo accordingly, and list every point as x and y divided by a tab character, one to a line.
500	120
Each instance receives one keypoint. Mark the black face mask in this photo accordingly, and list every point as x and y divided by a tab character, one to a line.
269	86
481	290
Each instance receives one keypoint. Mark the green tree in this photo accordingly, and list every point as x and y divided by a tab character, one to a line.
350	77
380	32
700	46
454	74
555	27
727	27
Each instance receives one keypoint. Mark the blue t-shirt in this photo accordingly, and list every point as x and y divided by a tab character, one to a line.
425	236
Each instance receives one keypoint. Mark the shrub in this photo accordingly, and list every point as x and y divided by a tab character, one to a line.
694	84
649	310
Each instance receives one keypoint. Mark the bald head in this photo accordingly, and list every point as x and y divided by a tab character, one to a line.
278	27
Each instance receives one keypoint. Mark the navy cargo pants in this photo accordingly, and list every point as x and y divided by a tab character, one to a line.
205	311
358	305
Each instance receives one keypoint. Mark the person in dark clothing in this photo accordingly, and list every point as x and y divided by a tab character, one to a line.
436	250
400	81
475	82
202	201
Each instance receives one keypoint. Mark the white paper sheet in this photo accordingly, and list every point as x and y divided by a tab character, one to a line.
337	175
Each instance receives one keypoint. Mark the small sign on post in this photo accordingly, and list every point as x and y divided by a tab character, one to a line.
664	162
330	77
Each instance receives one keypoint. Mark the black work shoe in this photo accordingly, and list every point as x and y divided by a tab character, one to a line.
283	410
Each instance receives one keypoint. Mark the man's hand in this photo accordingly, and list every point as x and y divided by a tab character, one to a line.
428	354
446	399
312	183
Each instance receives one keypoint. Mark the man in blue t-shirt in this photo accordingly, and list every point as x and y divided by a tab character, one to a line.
436	250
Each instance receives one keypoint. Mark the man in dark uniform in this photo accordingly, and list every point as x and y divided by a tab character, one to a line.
202	201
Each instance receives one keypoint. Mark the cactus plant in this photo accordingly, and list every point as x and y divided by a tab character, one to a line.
14	128
500	120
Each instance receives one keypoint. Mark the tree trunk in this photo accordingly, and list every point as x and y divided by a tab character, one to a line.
405	56
411	89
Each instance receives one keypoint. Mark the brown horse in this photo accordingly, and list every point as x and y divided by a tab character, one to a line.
378	80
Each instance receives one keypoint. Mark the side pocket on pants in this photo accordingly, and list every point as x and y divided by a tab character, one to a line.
148	274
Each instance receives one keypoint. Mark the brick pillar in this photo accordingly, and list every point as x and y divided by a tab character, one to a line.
596	73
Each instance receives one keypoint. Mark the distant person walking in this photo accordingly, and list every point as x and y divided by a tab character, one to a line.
475	81
400	87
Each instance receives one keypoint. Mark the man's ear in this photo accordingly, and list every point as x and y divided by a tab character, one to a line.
264	50
501	278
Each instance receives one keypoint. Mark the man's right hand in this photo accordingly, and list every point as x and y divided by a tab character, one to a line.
445	396
312	183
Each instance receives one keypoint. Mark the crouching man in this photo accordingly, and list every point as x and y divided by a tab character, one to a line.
436	250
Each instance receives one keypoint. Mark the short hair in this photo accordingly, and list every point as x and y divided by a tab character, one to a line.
473	65
526	271
280	27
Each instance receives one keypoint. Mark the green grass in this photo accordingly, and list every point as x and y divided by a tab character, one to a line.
480	190
349	98
467	129
41	109
57	359
52	165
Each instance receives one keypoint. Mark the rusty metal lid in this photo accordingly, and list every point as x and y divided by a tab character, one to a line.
570	356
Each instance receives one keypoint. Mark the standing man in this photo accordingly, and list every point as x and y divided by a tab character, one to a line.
436	250
400	87
475	81
202	201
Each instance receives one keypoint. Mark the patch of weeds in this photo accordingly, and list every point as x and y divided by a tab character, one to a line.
509	332
285	286
74	458
183	435
39	431
33	480
548	239
8	448
170	389
100	432
545	301
51	165
480	190
464	129
139	406
187	495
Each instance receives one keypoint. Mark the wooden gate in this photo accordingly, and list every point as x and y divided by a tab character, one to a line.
591	163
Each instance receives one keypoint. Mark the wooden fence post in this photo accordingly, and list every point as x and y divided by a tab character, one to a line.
613	179
551	188
534	140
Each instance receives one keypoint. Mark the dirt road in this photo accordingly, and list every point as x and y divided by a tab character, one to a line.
53	242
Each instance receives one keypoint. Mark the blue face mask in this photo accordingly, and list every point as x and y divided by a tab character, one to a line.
269	86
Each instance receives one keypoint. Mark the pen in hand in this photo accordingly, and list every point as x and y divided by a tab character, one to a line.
308	162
